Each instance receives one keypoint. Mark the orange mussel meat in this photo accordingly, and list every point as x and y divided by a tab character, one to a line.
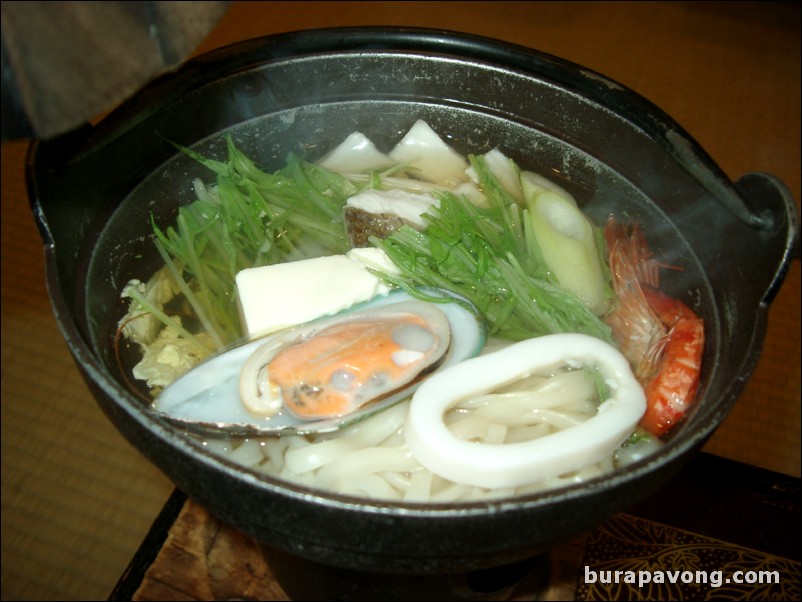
347	365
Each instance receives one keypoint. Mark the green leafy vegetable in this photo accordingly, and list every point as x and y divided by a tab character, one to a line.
250	218
492	258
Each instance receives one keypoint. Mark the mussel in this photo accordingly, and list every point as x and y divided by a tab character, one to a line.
326	374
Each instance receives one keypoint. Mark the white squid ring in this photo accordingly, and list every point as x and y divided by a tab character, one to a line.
516	464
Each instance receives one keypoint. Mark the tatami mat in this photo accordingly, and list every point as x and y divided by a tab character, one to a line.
77	499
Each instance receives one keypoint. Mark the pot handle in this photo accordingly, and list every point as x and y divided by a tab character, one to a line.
777	229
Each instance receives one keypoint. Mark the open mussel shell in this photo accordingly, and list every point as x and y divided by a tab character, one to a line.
207	398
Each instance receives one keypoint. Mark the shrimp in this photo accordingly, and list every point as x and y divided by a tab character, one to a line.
672	390
661	337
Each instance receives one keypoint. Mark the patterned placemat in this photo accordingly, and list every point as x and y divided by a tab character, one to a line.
630	558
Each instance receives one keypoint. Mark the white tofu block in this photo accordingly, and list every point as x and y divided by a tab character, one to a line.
279	296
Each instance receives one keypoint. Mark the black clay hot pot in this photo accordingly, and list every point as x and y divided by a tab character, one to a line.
93	193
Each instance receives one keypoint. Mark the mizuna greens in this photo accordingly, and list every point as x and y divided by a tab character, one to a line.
251	217
491	257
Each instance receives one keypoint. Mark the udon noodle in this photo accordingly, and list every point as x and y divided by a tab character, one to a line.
371	458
